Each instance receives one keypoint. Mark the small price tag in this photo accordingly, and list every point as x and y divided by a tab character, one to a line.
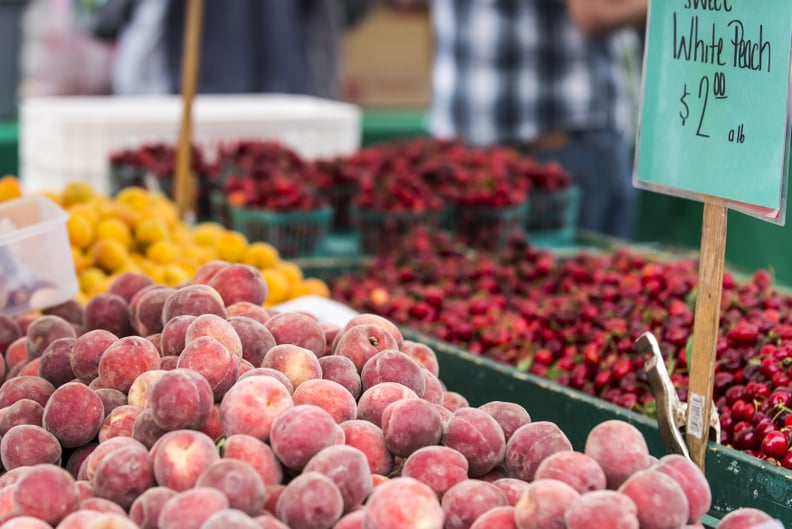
695	422
715	112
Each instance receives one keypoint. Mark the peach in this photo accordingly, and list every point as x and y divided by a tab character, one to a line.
229	518
109	312
145	510
239	282
214	427
465	501
409	424
454	400
73	414
692	481
513	488
44	330
252	405
9	332
269	372
576	469
602	509
310	501
509	415
145	429
181	456
367	318
255	337
369	439
70	310
331	330
403	502
136	396
173	334
123	475
476	435
393	366
196	299
255	453
619	448
530	445
218	328
189	509
342	370
238	481
749	518
297	363
300	432
351	520
100	505
54	362
124	360
101	452
46	492
88	349
496	518
127	284
373	401
433	389
328	395
16	352
661	502
247	309
76	460
543	504
111	398
147	309
439	467
207	270
298	329
213	360
179	399
86	519
25	387
25	522
423	354
28	445
361	342
23	411
348	468
120	422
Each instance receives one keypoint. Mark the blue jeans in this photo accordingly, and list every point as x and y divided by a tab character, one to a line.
599	163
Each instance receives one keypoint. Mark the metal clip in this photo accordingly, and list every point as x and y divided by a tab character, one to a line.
671	412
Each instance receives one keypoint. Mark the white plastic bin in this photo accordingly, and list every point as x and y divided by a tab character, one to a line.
71	138
36	267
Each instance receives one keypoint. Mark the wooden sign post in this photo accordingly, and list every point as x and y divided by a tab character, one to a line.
715	128
184	186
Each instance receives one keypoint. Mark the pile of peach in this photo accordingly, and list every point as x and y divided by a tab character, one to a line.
193	407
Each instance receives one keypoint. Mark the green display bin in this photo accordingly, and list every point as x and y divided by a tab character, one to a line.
552	216
293	233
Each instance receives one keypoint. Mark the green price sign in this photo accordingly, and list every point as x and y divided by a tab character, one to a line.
715	115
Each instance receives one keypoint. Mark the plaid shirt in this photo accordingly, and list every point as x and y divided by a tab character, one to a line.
508	71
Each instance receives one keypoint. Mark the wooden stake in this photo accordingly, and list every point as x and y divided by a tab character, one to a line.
184	186
705	330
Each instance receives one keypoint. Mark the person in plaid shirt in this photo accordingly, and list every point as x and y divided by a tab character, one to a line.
541	76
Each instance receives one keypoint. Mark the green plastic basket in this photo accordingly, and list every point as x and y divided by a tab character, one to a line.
487	227
552	216
293	233
381	230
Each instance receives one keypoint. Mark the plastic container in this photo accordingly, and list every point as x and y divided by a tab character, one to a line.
294	234
487	227
71	138
552	215
380	230
36	267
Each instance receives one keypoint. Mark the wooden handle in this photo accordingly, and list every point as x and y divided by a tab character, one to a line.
185	188
705	330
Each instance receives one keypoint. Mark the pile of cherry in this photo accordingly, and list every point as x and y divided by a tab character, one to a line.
574	320
193	407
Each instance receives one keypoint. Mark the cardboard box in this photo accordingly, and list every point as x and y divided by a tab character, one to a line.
387	59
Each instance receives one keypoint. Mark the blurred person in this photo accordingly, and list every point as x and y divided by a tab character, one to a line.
247	46
541	76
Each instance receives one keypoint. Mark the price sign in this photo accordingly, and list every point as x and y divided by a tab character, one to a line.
715	115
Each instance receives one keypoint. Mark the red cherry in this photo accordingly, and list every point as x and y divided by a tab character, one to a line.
775	444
